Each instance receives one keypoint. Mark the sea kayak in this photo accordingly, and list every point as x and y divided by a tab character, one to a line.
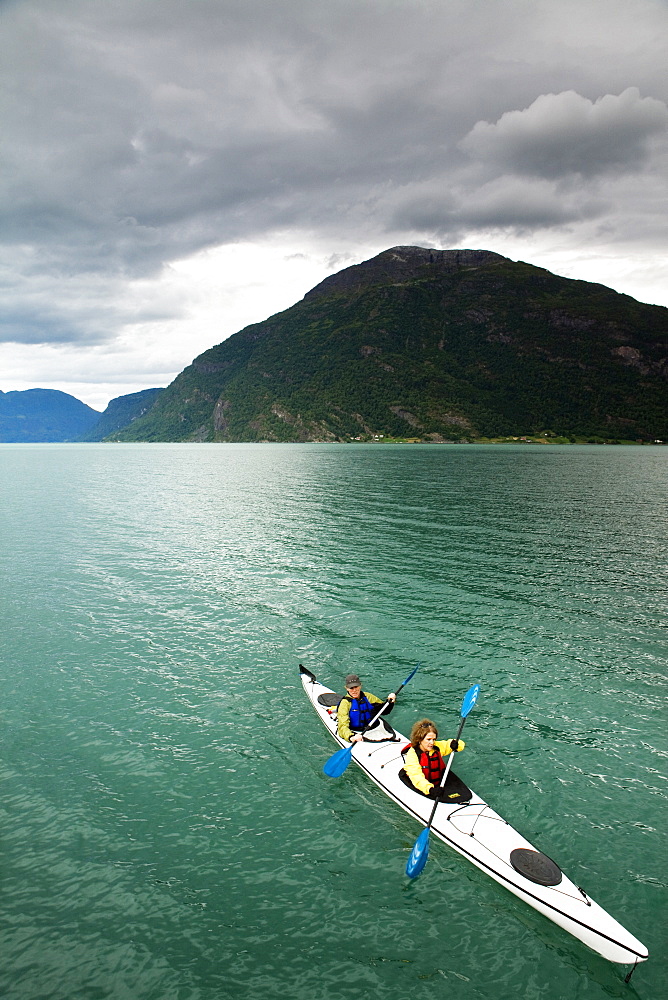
487	840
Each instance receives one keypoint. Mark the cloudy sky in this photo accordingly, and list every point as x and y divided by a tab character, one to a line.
173	170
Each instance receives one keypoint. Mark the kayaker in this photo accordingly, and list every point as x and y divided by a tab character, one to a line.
423	760
357	708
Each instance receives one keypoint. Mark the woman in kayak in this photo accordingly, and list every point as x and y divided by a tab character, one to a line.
356	710
423	758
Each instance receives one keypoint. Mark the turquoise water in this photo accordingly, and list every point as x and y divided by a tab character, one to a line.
167	831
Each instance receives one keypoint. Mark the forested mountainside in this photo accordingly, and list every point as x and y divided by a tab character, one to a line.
429	345
120	412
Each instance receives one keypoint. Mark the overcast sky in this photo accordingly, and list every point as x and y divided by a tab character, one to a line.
173	170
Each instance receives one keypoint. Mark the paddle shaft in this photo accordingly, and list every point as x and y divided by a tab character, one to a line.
446	772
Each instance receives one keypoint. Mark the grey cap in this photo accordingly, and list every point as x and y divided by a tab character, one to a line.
353	681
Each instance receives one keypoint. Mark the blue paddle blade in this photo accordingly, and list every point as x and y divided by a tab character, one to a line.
411	675
338	762
470	698
418	856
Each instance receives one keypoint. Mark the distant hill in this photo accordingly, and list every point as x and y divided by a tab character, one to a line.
121	412
429	345
43	415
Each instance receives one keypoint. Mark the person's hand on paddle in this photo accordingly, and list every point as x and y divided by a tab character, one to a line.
390	700
438	792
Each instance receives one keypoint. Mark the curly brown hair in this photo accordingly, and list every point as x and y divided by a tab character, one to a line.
420	730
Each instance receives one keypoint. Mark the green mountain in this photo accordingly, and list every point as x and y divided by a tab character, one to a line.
43	415
430	345
120	412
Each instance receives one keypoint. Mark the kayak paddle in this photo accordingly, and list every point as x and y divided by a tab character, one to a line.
418	856
339	761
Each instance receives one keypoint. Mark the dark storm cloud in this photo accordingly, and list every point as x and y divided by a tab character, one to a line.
28	323
506	203
138	132
44	309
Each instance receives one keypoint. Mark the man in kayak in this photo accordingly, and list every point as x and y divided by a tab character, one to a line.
356	710
423	759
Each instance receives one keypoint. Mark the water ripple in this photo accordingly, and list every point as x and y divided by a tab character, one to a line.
168	831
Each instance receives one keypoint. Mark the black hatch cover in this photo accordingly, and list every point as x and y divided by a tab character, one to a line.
329	699
536	866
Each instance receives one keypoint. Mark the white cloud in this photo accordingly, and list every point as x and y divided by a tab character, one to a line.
566	133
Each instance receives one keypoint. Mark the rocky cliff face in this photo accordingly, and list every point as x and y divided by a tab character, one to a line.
401	264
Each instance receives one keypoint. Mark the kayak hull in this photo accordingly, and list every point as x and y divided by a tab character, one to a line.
485	839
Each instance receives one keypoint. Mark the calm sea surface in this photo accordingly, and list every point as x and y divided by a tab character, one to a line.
167	831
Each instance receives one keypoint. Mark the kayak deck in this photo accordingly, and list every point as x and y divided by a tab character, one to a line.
478	833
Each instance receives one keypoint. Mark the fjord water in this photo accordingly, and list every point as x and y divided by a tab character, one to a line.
168	833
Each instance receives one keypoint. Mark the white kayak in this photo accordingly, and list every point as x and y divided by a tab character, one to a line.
478	833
